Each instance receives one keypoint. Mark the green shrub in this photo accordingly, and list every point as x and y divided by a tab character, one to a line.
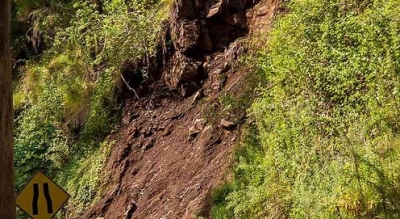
66	98
328	116
84	179
40	143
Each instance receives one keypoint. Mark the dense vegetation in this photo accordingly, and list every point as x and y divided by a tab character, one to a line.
325	138
67	57
325	142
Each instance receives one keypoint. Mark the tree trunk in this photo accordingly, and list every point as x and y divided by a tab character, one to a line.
7	196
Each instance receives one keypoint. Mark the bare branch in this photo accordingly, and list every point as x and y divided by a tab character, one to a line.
129	87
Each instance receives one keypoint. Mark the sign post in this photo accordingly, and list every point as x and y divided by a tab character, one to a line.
41	198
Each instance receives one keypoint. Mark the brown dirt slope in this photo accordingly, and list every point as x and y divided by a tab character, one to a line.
170	151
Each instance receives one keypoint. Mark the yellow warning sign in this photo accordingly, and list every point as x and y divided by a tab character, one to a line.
41	198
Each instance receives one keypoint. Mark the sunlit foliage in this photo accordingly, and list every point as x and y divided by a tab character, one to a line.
327	142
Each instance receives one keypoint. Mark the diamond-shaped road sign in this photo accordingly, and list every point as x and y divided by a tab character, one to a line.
41	198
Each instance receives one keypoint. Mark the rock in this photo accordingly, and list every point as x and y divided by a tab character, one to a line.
187	89
206	66
207	135
159	128
193	132
177	115
199	94
262	11
227	66
200	123
125	153
167	131
133	132
197	127
148	144
149	132
217	72
213	136
215	10
227	124
189	33
219	82
185	8
222	69
186	73
233	51
132	207
133	117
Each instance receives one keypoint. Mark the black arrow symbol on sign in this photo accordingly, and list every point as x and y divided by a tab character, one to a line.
46	191
48	198
35	208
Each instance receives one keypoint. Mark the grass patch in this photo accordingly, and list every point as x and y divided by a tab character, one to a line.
85	179
327	117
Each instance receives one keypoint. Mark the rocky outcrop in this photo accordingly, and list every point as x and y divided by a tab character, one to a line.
199	28
196	31
196	44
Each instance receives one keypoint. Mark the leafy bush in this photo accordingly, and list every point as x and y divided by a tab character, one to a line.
328	118
40	145
65	98
84	178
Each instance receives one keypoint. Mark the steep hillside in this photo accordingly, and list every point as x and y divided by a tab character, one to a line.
174	144
210	108
325	141
133	107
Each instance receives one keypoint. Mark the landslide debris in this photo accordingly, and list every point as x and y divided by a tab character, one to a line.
168	157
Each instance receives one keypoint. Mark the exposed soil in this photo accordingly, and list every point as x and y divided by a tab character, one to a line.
169	154
157	170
